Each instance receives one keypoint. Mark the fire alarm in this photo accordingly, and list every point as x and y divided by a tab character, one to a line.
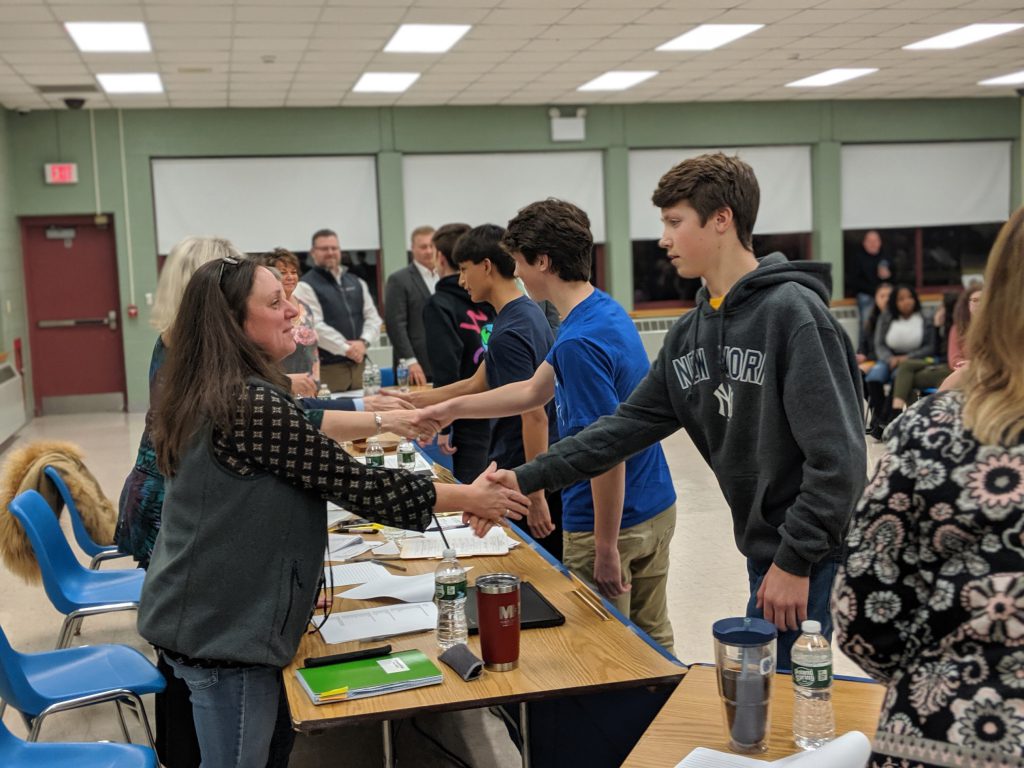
133	311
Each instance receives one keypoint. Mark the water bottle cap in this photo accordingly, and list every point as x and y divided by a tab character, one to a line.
811	627
447	553
744	631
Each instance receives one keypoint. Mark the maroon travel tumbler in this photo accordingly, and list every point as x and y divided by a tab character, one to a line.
497	611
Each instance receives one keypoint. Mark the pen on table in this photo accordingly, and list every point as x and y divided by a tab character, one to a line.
587	602
587	596
338	658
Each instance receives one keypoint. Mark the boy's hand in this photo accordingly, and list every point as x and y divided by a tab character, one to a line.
539	517
608	574
783	598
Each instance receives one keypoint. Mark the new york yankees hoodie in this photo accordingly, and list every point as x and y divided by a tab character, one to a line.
768	388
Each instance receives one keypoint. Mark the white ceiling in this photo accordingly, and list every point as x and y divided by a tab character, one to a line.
299	53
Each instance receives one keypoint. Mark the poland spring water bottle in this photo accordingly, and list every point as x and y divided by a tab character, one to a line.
813	721
450	596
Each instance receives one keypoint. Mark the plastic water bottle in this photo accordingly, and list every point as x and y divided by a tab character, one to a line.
406	455
402	375
374	453
371	377
814	723
450	596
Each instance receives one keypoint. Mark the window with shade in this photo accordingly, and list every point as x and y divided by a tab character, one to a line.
936	206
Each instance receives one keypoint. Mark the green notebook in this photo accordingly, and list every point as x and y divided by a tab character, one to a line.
368	677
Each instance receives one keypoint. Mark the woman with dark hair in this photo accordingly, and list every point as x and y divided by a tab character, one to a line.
866	348
927	373
930	597
903	333
234	573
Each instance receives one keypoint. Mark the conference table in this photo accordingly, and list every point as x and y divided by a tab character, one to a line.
593	652
692	717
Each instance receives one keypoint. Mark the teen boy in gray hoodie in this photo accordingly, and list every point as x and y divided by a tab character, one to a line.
765	382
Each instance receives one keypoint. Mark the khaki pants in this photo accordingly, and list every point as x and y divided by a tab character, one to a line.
342	377
643	552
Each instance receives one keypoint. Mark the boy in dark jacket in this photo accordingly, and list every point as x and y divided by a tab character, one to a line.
764	381
457	331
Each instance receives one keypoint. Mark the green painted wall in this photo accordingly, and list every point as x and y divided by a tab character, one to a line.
29	141
13	323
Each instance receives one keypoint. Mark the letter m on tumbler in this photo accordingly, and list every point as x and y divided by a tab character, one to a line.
507	612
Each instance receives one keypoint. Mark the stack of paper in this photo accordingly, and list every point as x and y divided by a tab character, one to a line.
851	750
464	541
408	589
368	677
374	623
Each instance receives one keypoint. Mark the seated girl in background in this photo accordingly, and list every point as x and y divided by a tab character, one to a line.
930	597
866	351
903	333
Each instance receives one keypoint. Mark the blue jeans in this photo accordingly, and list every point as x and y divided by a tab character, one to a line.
879	373
819	603
236	712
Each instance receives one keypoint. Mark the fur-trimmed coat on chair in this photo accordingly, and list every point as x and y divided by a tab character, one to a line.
23	471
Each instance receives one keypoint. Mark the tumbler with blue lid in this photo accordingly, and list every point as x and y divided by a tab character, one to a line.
745	664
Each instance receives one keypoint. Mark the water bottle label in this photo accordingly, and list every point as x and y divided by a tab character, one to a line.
407	458
812	677
451	591
375	461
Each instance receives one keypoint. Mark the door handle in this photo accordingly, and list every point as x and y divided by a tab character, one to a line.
110	321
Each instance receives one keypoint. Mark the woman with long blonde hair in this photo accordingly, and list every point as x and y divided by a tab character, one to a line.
930	598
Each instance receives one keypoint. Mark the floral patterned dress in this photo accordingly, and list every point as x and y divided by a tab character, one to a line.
930	599
305	358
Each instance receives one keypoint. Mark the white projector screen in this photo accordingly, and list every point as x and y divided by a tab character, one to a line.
920	185
490	188
261	202
783	175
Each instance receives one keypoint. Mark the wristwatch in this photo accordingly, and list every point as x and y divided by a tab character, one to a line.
379	421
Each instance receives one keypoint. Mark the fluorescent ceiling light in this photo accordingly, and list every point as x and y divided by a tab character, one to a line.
1014	78
829	77
109	37
958	38
425	38
707	37
385	82
616	81
136	82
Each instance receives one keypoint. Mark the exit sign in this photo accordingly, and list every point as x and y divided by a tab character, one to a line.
61	173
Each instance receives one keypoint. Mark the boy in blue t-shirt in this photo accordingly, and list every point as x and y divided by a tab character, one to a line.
618	525
519	340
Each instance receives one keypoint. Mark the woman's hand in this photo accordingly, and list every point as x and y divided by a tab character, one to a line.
407	423
302	385
491	502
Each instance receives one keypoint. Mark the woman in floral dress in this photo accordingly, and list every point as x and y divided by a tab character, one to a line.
930	599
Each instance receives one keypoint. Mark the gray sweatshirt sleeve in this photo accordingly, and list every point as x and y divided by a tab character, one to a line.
642	420
822	405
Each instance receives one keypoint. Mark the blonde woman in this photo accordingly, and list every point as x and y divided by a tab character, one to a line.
930	598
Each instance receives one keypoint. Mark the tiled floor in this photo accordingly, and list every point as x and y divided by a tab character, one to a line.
707	582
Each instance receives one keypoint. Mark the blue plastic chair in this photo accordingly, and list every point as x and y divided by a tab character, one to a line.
15	753
98	552
42	684
74	590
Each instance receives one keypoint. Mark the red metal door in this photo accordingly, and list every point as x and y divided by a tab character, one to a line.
74	314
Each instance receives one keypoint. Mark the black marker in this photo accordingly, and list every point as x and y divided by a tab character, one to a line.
367	653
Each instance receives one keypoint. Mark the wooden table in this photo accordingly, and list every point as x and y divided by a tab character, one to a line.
693	718
586	654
